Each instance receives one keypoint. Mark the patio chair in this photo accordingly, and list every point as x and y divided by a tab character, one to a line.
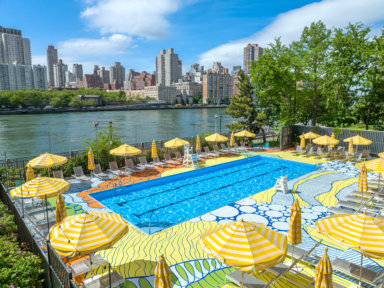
58	174
131	167
307	148
239	148
209	153
342	155
226	149
168	159
144	164
281	269
178	156
299	253
366	154
308	153
114	169
87	265
216	150
249	281
79	174
245	148
156	161
357	207
298	150
319	153
99	173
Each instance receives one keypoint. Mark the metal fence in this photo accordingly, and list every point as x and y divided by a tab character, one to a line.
56	274
286	137
377	137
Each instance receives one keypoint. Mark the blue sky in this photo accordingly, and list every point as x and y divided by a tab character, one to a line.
133	32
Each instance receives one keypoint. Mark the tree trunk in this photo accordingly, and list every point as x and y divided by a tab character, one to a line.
262	131
367	119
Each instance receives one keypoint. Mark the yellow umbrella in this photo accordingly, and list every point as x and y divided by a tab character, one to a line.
362	184
350	147
302	141
245	245
358	140
176	143
325	140
125	150
154	150
232	141
216	138
333	136
245	133
294	232
311	135
41	187
375	166
359	231
163	274
198	146
381	155
91	160
30	174
47	160
61	212
87	233
324	272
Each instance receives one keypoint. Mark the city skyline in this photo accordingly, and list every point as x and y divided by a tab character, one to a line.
85	35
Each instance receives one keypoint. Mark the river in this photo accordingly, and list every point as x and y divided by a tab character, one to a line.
33	134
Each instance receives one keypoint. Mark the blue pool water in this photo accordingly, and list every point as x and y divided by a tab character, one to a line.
174	199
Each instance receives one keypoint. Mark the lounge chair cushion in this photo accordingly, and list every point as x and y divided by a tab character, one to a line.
249	281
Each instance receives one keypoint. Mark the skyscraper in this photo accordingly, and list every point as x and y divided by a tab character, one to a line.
51	60
104	75
251	53
77	71
40	77
14	48
117	75
59	70
168	68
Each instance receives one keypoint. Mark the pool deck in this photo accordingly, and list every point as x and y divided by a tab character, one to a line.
135	256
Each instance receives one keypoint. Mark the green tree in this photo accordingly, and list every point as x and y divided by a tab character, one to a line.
75	102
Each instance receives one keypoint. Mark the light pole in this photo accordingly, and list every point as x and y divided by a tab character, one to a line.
96	123
218	117
110	132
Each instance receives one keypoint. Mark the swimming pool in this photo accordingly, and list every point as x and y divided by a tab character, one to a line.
174	199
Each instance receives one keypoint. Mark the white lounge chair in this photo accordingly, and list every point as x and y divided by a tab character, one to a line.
131	167
58	174
156	161
248	281
168	160
298	150
99	173
79	174
144	164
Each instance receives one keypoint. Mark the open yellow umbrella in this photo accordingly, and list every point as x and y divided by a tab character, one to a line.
324	272
154	150
311	135
42	187
232	141
294	232
47	160
87	233
175	143
245	133
216	138
375	165
29	175
198	145
302	141
359	231
91	160
325	140
61	212
125	150
381	155
358	140
163	274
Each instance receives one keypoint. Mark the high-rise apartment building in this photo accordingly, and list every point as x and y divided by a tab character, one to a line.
52	59
217	67
40	77
77	71
117	75
16	76
14	48
104	75
217	87
139	82
130	75
69	79
251	53
59	70
197	72
168	67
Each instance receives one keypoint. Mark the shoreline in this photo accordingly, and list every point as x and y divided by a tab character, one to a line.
108	108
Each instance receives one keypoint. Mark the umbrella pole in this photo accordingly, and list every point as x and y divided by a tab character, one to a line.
109	272
242	279
46	210
361	269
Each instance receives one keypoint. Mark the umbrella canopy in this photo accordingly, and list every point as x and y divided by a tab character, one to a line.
381	155
376	165
362	184
87	233
198	145
29	175
245	245
125	150
61	212
232	141
358	140
294	232
324	272
91	160
162	274
41	187
302	141
176	143
216	138
47	160
325	140
350	147
245	133
311	135
154	150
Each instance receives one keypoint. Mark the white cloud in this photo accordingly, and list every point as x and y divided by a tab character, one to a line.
39	59
144	18
289	25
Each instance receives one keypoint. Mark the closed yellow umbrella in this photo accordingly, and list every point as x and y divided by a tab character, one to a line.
47	160
41	187
175	143
154	150
324	272
333	136
245	245
294	232
362	184
125	150
87	233
29	175
216	138
91	160
325	140
198	145
311	135
359	231
61	212
163	274
245	133
232	141
350	147
302	141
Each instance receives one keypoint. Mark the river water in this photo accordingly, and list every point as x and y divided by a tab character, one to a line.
26	135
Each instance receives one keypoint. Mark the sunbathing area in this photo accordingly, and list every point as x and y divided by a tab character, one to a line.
180	214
